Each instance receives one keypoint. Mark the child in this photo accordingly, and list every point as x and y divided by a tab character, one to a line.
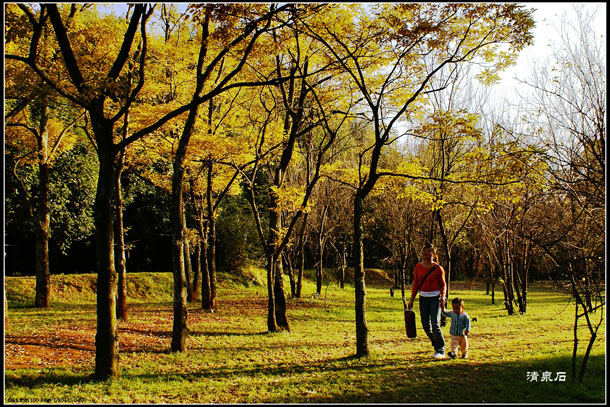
460	327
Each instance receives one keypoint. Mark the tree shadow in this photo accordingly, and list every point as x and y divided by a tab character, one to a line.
387	380
229	333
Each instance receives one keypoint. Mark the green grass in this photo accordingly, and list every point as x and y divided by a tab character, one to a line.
232	359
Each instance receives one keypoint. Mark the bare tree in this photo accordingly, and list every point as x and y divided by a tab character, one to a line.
569	105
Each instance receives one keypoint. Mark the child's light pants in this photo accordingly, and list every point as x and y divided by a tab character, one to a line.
462	342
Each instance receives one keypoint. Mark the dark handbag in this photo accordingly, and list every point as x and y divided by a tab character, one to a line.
410	323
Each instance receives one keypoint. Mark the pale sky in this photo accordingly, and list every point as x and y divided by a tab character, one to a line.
548	21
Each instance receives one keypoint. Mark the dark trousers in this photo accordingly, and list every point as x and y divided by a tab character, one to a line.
430	311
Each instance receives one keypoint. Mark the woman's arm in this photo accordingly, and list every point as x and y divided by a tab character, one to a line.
443	285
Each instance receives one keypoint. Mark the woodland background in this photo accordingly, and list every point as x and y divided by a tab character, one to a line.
289	137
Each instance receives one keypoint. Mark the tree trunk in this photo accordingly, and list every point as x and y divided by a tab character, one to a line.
359	278
293	284
277	319
493	289
180	329
342	265
43	217
321	243
106	339
119	233
299	292
43	275
271	321
213	306
188	269
198	257
446	249
203	260
319	275
281	317
206	303
575	327
299	289
197	272
119	256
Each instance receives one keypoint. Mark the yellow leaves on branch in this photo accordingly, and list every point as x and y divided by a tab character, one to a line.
289	198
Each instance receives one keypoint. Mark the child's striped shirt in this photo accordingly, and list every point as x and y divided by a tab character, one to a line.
459	322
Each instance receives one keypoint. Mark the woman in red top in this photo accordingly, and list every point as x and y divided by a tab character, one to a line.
431	297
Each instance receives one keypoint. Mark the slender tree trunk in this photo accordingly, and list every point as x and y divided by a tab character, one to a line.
271	321
293	284
119	256
198	255
180	329
585	359
203	260
299	289
212	265
343	265
493	288
206	303
188	269
43	217
106	339
359	278
43	275
299	292
575	328
211	243
321	243
507	281
319	273
119	233
197	272
446	249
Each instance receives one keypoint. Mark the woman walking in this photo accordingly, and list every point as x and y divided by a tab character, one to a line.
429	280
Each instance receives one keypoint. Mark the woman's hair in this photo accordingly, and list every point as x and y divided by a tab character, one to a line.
434	255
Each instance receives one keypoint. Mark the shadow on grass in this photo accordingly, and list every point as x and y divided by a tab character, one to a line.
365	380
51	377
54	307
350	379
228	333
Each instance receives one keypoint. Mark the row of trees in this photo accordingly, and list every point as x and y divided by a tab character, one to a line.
334	123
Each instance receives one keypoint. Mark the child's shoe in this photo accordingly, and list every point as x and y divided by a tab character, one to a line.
451	355
465	356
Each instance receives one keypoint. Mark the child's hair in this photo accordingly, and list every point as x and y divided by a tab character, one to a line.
458	301
434	255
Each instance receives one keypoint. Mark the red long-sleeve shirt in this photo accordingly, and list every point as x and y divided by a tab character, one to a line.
434	282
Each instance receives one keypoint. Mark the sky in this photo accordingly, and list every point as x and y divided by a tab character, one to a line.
548	21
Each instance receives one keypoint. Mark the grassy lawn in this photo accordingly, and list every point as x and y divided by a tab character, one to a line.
49	354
